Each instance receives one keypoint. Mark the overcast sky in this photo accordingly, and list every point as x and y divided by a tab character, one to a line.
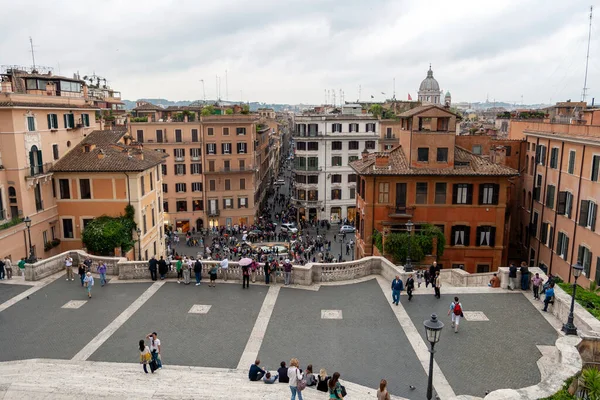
291	51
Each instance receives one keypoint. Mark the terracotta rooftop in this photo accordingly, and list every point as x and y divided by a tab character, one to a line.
148	107
420	109
469	164
117	156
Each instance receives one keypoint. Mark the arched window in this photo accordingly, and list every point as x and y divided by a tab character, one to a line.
528	200
35	161
12	192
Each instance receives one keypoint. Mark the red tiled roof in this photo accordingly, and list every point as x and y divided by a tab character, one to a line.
148	107
118	157
399	164
46	105
418	110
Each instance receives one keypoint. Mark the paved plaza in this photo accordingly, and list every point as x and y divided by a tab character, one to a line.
348	327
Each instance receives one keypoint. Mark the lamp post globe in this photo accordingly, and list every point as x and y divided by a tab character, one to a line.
433	331
569	328
31	258
409	227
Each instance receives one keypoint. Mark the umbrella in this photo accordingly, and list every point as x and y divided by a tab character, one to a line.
245	261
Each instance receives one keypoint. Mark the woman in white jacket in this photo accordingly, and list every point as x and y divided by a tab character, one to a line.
294	374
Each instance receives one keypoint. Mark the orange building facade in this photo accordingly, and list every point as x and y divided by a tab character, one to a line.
42	118
560	196
429	179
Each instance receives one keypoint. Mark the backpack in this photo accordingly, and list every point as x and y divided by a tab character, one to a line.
457	309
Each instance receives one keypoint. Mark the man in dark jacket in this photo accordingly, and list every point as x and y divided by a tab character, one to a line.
432	270
524	276
153	265
410	286
256	373
162	268
397	287
512	276
198	271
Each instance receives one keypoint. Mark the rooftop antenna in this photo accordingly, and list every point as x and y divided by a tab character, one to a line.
394	93
587	58
333	94
226	87
203	91
33	52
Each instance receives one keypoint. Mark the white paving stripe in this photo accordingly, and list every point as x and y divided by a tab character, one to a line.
37	285
440	383
260	327
107	332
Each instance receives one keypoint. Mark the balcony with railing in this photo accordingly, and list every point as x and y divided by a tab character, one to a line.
230	170
213	212
398	211
38	174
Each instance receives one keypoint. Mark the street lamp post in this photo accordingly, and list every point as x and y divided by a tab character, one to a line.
409	227
139	233
32	258
433	329
569	328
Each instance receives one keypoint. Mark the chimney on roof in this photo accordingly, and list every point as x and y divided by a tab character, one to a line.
364	153
101	154
382	160
6	86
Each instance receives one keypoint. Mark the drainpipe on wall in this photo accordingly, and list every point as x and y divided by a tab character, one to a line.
576	204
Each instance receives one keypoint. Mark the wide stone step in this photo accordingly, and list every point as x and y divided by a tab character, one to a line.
63	379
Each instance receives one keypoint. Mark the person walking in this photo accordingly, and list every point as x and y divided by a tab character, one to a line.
213	275
88	264
432	269
186	272
162	268
245	276
397	287
294	376
382	392
88	282
198	271
512	276
145	355
456	311
178	267
438	284
419	278
410	286
267	271
536	283
549	296
287	271
8	267
69	267
335	388
153	267
102	272
81	271
155	348
2	271
21	265
524	276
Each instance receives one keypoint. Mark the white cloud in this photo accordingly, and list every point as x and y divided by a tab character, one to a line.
292	50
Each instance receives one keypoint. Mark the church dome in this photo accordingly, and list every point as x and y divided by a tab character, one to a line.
429	83
447	93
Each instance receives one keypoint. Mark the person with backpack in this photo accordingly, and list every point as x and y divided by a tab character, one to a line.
198	271
457	313
297	384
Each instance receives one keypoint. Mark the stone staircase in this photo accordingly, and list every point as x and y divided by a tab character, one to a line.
64	379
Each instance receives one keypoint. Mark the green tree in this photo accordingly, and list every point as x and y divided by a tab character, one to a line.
376	110
228	111
208	110
245	109
396	245
103	234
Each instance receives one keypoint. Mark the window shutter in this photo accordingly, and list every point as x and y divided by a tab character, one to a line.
496	193
32	162
224	204
184	169
566	244
39	159
492	237
72	119
469	193
481	187
543	155
537	154
551	241
65	120
594	210
570	204
595	166
467	235
543	234
49	121
580	254
562	202
583	212
454	193
453	236
559	242
478	240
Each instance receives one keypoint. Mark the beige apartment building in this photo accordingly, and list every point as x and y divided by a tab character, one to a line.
42	117
218	167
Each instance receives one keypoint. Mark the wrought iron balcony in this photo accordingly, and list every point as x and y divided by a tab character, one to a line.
400	211
213	213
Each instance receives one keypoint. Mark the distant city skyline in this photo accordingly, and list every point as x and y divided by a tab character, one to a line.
292	53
